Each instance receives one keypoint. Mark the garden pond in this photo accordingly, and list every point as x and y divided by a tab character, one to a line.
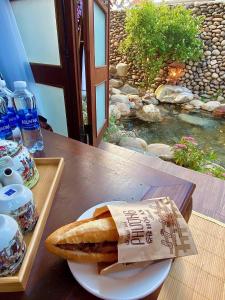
207	130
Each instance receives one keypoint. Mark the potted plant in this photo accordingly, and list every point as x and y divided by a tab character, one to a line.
157	35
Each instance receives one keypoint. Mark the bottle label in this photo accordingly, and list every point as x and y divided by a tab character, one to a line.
13	118
5	129
29	120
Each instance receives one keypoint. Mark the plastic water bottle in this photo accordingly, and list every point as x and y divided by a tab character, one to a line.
26	109
6	94
5	129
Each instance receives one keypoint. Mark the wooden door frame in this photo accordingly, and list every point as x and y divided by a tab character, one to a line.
67	74
92	76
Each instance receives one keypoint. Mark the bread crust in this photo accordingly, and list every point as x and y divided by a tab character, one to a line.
55	237
99	211
84	231
94	231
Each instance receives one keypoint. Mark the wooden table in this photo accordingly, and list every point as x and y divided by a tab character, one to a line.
91	176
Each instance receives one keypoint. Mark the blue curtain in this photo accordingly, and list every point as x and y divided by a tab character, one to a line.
14	64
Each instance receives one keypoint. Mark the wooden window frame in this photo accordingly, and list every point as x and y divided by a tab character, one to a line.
95	75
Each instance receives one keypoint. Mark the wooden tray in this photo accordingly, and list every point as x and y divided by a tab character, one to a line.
50	170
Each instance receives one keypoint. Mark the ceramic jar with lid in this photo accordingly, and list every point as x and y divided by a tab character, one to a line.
18	158
12	246
17	201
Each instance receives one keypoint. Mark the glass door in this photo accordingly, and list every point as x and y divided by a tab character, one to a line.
96	37
48	29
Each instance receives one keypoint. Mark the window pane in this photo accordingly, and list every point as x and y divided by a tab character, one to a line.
50	103
100	105
37	24
99	36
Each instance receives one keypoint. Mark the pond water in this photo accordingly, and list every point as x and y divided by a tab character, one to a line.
208	131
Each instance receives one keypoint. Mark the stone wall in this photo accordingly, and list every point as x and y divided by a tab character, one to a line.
206	77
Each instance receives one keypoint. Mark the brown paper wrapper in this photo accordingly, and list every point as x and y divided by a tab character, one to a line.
150	230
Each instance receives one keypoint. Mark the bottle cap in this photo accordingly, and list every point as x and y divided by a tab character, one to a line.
20	84
2	83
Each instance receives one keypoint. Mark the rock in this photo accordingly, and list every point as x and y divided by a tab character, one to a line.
115	91
115	83
196	97
135	100
128	133
132	105
220	99
149	95
216	52
161	150
127	89
114	137
112	70
197	121
124	109
133	143
183	98
215	39
122	69
212	63
150	101
173	94
149	113
207	53
114	111
119	98
211	105
215	75
188	106
197	103
219	111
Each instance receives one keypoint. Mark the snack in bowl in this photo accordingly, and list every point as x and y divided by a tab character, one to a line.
90	240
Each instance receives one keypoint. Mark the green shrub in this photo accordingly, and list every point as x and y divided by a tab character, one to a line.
158	34
215	170
187	153
112	130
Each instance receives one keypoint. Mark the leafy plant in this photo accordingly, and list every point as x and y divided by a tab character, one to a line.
112	130
84	110
159	34
216	171
204	99
212	97
187	153
217	94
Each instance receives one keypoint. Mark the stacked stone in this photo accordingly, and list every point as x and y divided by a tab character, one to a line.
207	77
117	34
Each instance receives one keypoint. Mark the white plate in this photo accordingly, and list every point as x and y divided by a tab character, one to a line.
128	285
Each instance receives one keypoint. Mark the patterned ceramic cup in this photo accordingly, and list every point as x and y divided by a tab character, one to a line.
12	246
17	201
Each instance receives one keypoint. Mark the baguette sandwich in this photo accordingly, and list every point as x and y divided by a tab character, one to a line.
91	240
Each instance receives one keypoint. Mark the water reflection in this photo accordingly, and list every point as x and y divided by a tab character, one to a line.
208	131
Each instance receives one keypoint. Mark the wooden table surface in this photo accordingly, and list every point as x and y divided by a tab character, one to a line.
90	176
